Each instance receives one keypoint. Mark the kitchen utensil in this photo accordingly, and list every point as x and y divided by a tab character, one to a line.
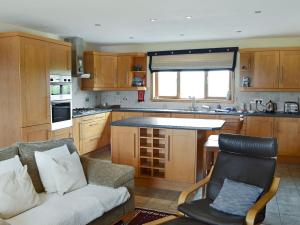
291	107
271	107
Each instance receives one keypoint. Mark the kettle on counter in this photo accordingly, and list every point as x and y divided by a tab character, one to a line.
271	107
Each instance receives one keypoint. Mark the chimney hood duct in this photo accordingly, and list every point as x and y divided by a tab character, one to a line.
77	57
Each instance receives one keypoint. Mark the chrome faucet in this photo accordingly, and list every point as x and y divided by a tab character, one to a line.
206	107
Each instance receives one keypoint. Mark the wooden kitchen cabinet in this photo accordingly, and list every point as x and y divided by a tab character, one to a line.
124	77
125	146
181	165
260	126
25	64
36	133
265	69
290	69
287	132
91	132
271	69
34	82
61	133
157	114
182	115
124	115
103	70
59	57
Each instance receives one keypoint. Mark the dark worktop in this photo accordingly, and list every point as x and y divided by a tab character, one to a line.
183	111
171	123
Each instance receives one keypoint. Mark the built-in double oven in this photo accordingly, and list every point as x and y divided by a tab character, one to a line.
61	101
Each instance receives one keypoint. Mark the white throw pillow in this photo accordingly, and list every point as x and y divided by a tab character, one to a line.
10	164
68	173
17	193
44	161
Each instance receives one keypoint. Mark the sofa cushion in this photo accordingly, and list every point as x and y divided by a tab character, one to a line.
9	152
26	151
75	208
10	164
45	161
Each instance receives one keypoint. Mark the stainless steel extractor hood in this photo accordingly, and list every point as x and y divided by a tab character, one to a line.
77	57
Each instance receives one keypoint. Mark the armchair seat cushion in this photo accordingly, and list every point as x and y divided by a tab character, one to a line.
201	211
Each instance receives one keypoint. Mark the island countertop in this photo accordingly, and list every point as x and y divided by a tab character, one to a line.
171	123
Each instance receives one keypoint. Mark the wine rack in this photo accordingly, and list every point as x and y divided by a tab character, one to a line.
152	152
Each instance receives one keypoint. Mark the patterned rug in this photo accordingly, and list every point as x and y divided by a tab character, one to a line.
144	216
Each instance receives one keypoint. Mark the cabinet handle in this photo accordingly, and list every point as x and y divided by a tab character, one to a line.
92	139
93	124
168	147
282	72
134	145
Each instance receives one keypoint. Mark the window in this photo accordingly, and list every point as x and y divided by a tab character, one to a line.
203	85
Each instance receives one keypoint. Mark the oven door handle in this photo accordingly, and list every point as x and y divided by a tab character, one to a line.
62	101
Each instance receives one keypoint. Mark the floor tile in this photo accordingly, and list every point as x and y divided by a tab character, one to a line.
272	219
289	209
290	220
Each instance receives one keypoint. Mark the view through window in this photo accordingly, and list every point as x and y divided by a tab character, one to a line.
186	84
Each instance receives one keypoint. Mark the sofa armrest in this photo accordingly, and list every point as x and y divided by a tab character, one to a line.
2	222
105	173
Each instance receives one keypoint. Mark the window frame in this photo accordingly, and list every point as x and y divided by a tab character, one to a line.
156	98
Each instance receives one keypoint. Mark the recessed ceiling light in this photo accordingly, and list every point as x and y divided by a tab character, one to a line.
97	25
257	11
239	31
153	20
188	17
131	37
181	35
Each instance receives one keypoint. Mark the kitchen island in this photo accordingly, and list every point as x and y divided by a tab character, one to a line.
166	152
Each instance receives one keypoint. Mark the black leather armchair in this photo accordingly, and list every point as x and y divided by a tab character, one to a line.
245	159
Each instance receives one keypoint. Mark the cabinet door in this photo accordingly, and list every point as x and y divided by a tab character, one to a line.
246	62
181	156
124	146
259	126
34	82
76	133
36	133
287	132
133	114
266	69
156	114
124	68
106	71
117	116
59	58
290	69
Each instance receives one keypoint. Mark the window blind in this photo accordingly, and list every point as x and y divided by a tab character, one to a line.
193	59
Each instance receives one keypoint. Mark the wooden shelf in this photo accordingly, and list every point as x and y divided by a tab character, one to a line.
115	89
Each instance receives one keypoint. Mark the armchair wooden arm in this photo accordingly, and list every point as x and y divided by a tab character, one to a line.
185	194
262	202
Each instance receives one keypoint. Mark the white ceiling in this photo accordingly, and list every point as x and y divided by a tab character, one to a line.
121	19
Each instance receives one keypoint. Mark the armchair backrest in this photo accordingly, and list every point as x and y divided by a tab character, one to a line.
250	160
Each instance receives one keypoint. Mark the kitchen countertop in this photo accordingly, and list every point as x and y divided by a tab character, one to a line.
184	111
171	123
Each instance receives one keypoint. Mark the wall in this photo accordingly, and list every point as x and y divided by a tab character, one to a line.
79	96
129	99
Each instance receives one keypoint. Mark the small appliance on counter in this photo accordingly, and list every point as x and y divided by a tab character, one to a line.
271	107
291	107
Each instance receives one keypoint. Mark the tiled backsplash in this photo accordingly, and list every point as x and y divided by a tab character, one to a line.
82	98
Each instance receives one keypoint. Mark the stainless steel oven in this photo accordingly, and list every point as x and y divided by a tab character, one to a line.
61	101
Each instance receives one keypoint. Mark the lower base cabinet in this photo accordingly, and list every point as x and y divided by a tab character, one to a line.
91	132
162	158
36	133
260	126
287	132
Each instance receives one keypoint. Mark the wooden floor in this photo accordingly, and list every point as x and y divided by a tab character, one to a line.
282	210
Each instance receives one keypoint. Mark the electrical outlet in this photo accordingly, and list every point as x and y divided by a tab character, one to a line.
258	101
87	99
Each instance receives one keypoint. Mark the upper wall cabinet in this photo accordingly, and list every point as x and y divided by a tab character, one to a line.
111	71
59	59
270	69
